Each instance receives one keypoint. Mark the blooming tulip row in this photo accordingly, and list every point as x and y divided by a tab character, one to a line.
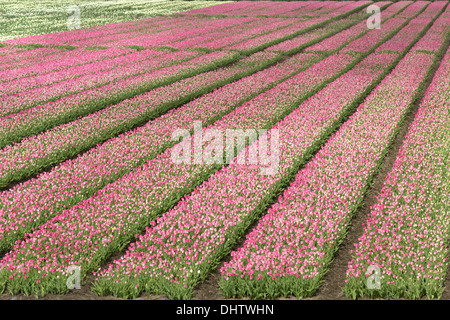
264	26
266	40
15	127
253	40
91	230
398	21
176	30
250	24
285	10
86	76
65	60
188	241
292	31
294	89
291	248
38	152
433	9
299	42
203	26
27	57
446	14
130	149
439	30
412	9
175	278
334	8
36	95
288	253
252	9
308	10
403	38
275	9
255	8
406	232
7	49
356	31
363	44
157	27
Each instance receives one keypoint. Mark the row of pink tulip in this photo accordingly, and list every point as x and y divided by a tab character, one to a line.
6	49
168	279
27	57
332	6
406	233
268	26
262	27
356	31
80	178
33	154
26	92
36	153
256	39
433	9
439	30
67	60
412	9
254	44
154	26
446	14
306	10
251	24
362	44
286	9
176	32
250	42
15	127
402	39
90	231
252	9
215	214
292	246
275	8
36	98
339	28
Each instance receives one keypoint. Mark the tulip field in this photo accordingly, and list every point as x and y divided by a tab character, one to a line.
94	120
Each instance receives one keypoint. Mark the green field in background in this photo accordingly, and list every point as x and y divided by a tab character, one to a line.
21	18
